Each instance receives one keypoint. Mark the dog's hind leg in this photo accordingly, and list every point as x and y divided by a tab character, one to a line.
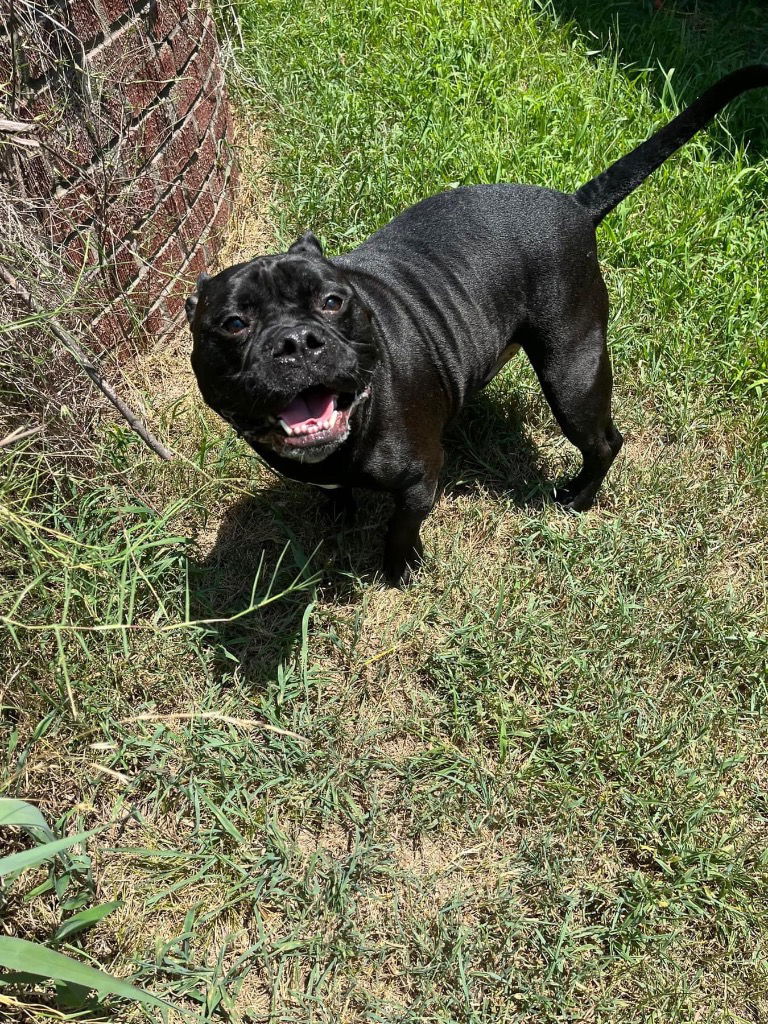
571	361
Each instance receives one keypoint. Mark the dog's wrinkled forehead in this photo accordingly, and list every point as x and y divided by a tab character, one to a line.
280	280
268	285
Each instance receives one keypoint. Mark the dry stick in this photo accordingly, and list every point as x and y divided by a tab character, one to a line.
216	716
85	363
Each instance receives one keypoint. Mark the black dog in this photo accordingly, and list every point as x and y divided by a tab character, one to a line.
343	372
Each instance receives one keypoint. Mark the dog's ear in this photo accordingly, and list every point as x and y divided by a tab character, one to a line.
308	244
191	304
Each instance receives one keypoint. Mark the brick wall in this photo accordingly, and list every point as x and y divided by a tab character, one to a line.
127	159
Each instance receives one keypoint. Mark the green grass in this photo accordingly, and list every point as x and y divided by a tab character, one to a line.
531	788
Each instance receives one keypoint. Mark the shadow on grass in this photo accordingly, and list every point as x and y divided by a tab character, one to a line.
286	534
701	39
489	446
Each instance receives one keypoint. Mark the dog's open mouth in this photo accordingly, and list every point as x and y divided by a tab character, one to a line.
315	418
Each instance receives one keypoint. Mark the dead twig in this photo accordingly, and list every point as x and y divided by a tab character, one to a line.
85	363
18	435
15	126
215	716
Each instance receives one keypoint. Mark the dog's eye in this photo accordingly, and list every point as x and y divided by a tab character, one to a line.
234	324
332	303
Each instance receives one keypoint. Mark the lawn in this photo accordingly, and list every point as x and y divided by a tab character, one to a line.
530	788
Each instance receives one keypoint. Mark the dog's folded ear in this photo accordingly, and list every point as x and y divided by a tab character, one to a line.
307	243
191	304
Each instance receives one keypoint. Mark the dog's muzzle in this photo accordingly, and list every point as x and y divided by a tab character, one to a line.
311	426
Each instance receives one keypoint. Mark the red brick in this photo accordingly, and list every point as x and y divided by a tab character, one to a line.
208	46
184	42
36	60
180	150
220	130
122	268
6	64
42	107
192	229
145	138
167	263
197	174
114	10
166	64
81	250
126	63
143	292
135	199
70	209
194	176
157	323
163	186
189	8
174	302
185	90
204	111
160	267
195	266
114	223
143	88
202	201
37	174
72	148
205	206
164	221
168	313
164	23
113	326
107	115
84	19
219	222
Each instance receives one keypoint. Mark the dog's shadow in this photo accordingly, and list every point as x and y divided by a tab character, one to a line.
488	447
273	547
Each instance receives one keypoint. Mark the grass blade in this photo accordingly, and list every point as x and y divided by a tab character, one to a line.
84	919
24	815
31	958
39	854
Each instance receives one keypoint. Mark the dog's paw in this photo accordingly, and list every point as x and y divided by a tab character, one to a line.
401	567
569	501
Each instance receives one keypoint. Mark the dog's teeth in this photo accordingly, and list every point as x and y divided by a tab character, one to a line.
334	415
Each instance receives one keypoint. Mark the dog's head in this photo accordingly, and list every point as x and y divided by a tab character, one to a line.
283	350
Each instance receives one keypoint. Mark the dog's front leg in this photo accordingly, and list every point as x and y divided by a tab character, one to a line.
341	505
403	550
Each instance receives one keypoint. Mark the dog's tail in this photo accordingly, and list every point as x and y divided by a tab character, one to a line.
607	190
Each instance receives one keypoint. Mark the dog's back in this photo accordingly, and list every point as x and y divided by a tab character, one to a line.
465	271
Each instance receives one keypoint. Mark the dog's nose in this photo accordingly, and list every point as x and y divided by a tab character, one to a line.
298	344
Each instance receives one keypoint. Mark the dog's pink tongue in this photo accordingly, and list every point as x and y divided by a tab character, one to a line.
307	409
